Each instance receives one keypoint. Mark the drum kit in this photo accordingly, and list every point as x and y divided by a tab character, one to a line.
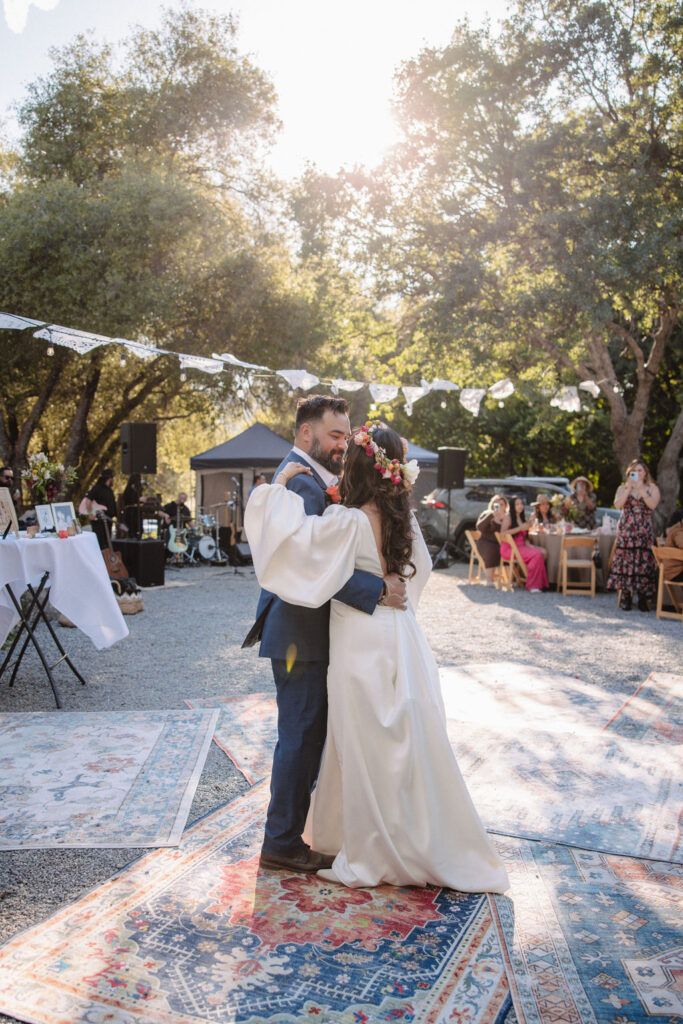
198	541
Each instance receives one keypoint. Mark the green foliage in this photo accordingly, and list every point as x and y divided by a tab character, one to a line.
133	214
531	223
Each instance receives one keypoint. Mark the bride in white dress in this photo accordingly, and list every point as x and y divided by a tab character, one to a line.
390	801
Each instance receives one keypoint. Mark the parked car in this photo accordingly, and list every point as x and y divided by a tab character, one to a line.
468	502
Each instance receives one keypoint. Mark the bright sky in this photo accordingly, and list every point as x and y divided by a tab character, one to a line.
331	64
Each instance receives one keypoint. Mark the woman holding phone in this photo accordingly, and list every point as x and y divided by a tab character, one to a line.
490	521
633	565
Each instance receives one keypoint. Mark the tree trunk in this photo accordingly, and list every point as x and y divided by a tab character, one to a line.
102	447
15	441
669	471
78	435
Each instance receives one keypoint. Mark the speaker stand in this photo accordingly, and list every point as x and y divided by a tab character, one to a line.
441	559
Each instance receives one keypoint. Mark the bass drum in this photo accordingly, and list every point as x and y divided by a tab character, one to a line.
206	548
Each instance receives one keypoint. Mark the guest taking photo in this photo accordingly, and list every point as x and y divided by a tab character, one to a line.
489	523
633	565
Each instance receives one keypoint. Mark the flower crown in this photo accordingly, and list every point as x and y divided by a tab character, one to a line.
391	469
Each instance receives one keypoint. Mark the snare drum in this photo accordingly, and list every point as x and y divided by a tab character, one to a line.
206	546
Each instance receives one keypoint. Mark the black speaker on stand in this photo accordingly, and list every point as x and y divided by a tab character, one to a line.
138	448
450	475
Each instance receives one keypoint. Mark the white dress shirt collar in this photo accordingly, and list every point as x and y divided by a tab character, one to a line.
327	477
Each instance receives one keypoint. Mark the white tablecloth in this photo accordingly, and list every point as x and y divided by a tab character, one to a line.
79	584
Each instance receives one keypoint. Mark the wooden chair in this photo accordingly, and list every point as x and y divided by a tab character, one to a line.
582	585
473	536
512	569
670	554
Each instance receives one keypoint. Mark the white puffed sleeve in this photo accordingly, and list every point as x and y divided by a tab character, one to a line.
423	564
303	559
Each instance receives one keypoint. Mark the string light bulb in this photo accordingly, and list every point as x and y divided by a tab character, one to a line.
122	359
50	350
183	376
444	405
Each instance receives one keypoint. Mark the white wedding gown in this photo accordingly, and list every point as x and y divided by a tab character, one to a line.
390	801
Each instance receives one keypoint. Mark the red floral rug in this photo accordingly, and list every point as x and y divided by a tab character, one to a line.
199	934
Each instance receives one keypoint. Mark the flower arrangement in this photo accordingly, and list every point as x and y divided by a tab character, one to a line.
391	469
564	506
45	477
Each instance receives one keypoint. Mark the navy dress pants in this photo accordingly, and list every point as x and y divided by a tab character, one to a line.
302	727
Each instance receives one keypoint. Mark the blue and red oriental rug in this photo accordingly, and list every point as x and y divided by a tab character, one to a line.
200	935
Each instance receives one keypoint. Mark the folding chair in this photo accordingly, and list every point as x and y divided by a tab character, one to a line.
582	585
669	554
473	536
512	569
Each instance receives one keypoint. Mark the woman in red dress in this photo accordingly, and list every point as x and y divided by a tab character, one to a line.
533	557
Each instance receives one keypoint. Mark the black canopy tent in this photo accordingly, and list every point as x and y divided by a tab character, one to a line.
226	473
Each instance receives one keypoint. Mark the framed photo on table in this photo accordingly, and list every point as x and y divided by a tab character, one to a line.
44	518
8	513
63	515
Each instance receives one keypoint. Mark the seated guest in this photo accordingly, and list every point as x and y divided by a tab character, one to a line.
176	512
7	480
583	499
672	570
102	495
533	558
488	523
543	514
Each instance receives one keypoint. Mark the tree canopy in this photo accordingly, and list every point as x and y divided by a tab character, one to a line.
530	222
136	208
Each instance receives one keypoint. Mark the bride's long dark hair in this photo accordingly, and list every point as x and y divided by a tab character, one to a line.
361	484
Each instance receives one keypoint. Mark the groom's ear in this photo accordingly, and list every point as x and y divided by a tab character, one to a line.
304	434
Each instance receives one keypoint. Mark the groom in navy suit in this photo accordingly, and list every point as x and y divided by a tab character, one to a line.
296	640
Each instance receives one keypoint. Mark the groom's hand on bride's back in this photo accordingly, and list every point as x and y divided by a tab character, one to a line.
396	593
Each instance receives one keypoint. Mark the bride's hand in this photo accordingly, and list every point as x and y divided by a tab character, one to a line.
291	469
396	592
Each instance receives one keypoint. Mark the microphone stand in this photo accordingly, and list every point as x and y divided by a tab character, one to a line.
443	550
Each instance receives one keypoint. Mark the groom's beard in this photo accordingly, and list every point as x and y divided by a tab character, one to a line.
332	460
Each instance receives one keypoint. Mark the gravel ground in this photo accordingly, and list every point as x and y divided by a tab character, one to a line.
186	643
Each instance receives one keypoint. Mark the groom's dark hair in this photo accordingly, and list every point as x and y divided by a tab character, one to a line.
314	407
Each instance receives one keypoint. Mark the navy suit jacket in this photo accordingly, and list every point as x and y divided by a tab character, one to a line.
278	624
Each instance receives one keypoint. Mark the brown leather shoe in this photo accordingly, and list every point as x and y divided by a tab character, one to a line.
307	861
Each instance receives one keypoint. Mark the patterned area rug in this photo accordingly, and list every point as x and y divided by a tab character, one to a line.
121	779
654	714
520	695
537	755
594	938
200	935
246	730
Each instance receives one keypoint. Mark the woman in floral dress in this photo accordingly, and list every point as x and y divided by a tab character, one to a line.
633	566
